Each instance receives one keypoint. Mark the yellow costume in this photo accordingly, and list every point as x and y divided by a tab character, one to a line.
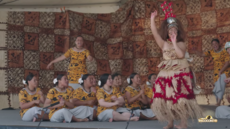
25	97
133	92
219	60
148	91
77	65
102	94
54	95
70	88
83	95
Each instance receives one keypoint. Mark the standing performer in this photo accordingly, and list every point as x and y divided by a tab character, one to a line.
77	65
173	94
221	62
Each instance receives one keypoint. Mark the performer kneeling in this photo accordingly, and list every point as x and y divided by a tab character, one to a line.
30	98
136	98
85	99
108	101
61	93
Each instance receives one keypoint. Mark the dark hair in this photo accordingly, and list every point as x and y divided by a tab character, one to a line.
78	37
131	77
59	76
29	78
104	79
149	77
84	77
163	31
115	75
217	40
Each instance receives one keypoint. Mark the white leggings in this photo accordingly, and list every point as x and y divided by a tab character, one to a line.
31	113
61	115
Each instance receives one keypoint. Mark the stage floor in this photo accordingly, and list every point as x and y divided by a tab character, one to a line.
10	119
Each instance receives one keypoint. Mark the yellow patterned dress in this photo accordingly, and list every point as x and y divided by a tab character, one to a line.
219	60
148	91
54	95
83	95
102	94
138	104
133	92
25	97
173	92
77	65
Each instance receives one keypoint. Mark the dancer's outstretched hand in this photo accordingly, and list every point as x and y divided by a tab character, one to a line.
49	65
154	14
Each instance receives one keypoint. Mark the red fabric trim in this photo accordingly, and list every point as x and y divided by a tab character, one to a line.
168	82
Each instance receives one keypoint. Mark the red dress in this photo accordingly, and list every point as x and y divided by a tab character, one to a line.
173	91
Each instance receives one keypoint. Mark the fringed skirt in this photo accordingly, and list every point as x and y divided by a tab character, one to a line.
173	93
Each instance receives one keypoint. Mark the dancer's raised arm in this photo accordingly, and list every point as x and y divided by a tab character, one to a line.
156	35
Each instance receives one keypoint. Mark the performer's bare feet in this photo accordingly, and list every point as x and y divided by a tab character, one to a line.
85	120
34	119
168	127
110	120
135	118
181	127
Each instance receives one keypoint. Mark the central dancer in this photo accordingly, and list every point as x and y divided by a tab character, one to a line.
173	97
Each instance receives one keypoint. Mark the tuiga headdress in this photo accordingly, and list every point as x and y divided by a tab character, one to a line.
169	16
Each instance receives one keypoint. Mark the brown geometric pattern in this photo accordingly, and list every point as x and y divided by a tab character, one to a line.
221	4
31	60
141	66
31	29
116	66
46	43
208	75
15	77
16	18
119	42
193	6
75	21
15	40
47	20
102	30
152	49
62	65
208	19
46	79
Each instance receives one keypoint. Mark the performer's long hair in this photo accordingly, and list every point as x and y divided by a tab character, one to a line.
163	31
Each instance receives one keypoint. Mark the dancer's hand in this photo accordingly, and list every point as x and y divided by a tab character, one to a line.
227	80
37	102
49	65
91	102
116	102
173	38
62	102
153	15
220	74
114	98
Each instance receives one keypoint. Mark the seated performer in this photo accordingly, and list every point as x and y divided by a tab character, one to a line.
136	98
223	111
117	83
85	99
108	101
61	93
30	98
149	86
